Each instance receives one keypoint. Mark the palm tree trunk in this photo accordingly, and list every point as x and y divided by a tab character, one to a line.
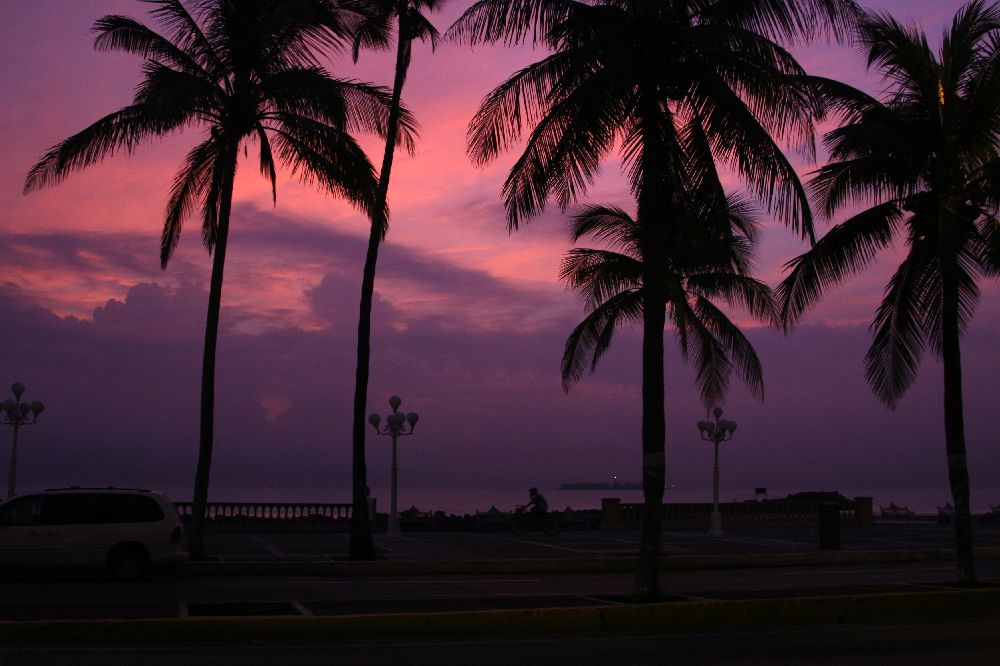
207	429
650	213
954	422
362	546
647	585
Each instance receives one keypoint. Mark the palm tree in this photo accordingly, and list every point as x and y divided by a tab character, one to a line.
924	162
375	33
676	84
698	267
245	72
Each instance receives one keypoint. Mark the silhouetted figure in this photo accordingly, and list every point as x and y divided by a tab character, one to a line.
539	507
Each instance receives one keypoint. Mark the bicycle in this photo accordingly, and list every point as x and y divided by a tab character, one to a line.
522	522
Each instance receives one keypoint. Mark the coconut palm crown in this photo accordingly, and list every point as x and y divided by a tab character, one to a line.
633	74
923	163
244	72
697	268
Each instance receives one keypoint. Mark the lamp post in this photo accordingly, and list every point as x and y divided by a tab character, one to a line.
17	414
715	432
395	426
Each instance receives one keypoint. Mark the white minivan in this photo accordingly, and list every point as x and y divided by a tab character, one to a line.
124	529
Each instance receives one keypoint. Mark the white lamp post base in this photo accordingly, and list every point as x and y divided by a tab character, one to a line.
715	525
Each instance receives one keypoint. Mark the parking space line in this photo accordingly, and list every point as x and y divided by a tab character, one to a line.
863	571
269	547
424	581
297	605
600	601
551	545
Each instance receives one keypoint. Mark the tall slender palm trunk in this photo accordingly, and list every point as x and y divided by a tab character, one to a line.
649	214
207	427
362	546
647	584
954	421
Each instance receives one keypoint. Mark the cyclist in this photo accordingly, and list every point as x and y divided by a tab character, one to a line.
539	507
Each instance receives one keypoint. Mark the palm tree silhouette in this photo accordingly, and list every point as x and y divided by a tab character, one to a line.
375	32
675	84
245	71
698	268
925	163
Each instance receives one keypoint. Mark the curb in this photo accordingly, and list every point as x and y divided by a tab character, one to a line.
601	564
660	618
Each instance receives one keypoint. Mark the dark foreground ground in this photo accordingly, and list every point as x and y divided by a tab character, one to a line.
755	596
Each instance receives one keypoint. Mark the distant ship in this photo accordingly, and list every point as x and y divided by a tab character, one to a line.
592	485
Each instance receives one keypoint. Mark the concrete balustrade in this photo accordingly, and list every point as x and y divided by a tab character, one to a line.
269	512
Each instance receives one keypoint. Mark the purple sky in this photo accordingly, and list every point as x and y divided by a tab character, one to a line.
469	321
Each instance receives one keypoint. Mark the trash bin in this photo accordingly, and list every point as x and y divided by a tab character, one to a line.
829	526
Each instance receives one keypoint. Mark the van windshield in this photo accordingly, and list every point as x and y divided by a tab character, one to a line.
91	508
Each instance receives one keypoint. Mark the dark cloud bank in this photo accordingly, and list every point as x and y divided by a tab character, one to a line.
122	392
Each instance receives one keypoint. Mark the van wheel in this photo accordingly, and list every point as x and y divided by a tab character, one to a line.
128	562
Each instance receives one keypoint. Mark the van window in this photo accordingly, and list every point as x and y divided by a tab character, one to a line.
22	511
129	509
72	509
95	508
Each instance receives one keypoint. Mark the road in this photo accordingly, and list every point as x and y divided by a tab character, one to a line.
90	595
968	643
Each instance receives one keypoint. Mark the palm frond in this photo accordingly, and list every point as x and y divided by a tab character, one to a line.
892	360
190	183
965	270
374	34
508	21
606	223
846	249
267	166
738	138
786	20
739	351
352	105
122	130
591	338
712	365
740	291
419	27
564	151
597	275
318	153
519	101
187	34
123	33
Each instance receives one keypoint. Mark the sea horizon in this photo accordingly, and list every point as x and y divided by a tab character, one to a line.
461	501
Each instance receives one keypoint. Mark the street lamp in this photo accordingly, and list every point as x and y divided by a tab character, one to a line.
17	414
715	432
395	426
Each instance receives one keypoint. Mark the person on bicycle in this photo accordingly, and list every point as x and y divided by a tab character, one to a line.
538	506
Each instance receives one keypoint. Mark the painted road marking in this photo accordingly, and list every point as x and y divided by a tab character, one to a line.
269	547
297	605
601	601
425	582
864	571
551	545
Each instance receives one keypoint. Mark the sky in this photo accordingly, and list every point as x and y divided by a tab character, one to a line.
469	320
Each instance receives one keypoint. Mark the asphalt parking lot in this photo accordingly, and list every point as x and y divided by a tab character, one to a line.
458	546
